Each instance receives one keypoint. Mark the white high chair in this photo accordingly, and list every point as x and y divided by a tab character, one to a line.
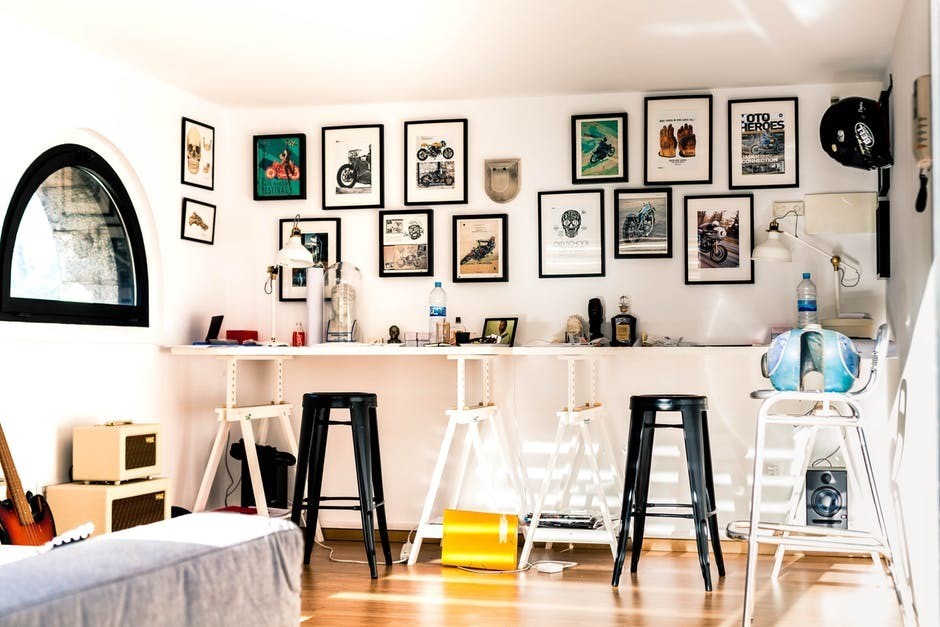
790	535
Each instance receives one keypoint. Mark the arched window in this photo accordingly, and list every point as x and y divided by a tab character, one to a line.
71	250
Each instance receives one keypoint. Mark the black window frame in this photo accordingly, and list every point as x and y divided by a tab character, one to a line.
70	312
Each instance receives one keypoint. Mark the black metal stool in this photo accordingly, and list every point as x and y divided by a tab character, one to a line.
637	477
312	449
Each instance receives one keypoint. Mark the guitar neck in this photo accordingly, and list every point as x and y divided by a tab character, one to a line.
14	488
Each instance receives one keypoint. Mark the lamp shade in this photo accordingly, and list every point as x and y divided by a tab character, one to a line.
772	249
294	254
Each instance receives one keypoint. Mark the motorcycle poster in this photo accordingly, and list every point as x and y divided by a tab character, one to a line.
480	248
643	223
436	162
322	237
352	167
405	243
762	141
678	140
719	239
280	167
599	147
571	234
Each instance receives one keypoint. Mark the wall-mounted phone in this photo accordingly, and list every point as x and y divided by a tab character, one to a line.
921	136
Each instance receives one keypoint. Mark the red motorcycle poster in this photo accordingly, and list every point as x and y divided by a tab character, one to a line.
279	167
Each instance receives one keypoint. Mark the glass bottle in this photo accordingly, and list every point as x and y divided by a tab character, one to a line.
299	337
623	325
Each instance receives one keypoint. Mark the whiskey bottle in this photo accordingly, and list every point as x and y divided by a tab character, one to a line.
623	325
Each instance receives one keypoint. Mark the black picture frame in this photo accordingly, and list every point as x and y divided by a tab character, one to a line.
561	251
473	259
339	165
632	239
330	228
667	118
437	164
779	152
203	159
197	227
406	243
507	337
735	214
281	159
589	134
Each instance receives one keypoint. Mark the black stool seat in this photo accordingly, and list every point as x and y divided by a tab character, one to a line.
694	425
311	452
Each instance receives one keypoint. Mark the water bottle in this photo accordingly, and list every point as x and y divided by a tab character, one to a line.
437	314
806	302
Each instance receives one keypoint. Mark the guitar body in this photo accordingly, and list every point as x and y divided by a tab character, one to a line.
12	531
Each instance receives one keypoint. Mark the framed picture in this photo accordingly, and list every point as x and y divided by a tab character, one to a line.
353	159
481	248
643	223
436	162
322	237
763	143
499	331
197	159
406	243
198	222
678	140
571	234
280	167
599	148
719	238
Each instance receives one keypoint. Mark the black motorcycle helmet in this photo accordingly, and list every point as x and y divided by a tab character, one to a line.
854	132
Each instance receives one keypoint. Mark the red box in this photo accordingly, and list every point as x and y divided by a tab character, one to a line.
240	335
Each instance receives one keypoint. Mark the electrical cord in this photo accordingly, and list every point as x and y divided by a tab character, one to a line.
548	567
332	550
817	462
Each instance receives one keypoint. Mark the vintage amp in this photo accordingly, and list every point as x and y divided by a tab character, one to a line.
115	452
111	507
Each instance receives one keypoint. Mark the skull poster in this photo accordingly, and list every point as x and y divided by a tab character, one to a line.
280	167
198	154
571	234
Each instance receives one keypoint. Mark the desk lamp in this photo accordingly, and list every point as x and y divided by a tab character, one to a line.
293	255
773	249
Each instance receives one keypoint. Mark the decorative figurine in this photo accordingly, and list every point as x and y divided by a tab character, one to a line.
393	333
595	318
574	330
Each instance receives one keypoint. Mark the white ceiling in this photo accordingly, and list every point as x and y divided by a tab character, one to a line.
290	52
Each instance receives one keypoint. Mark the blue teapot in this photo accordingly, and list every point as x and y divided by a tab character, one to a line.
800	352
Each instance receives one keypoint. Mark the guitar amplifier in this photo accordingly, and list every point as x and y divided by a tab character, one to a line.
115	452
111	507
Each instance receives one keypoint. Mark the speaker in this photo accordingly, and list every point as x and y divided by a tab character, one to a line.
827	498
110	507
115	451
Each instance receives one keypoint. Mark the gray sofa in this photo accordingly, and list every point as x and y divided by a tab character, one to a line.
199	569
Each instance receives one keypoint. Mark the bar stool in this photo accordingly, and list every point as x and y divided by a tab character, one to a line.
694	426
311	453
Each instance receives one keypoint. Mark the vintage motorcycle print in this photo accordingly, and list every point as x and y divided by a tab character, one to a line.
710	236
434	150
440	176
479	252
639	224
357	170
603	150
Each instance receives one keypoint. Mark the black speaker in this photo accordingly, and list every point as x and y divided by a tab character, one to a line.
273	464
827	498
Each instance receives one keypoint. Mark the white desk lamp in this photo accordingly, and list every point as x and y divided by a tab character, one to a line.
293	255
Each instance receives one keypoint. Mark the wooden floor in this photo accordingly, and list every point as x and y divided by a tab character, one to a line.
668	590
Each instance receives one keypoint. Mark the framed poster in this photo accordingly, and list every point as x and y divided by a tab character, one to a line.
198	221
436	162
353	159
321	236
677	146
280	167
481	248
719	238
763	143
571	233
643	223
198	154
599	148
499	331
406	243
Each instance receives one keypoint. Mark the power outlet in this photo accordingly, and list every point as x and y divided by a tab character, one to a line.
782	207
405	551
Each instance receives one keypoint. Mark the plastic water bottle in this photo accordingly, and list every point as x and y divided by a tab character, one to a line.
806	302
437	314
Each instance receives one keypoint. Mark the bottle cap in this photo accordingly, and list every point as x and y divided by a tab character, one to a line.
624	304
437	284
806	275
457	319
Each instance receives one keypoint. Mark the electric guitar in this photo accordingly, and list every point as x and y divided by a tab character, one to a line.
25	519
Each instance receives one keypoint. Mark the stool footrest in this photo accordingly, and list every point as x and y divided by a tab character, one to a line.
654	425
338	422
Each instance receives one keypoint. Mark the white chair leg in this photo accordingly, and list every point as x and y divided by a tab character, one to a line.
855	485
599	487
751	569
798	474
215	456
432	490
